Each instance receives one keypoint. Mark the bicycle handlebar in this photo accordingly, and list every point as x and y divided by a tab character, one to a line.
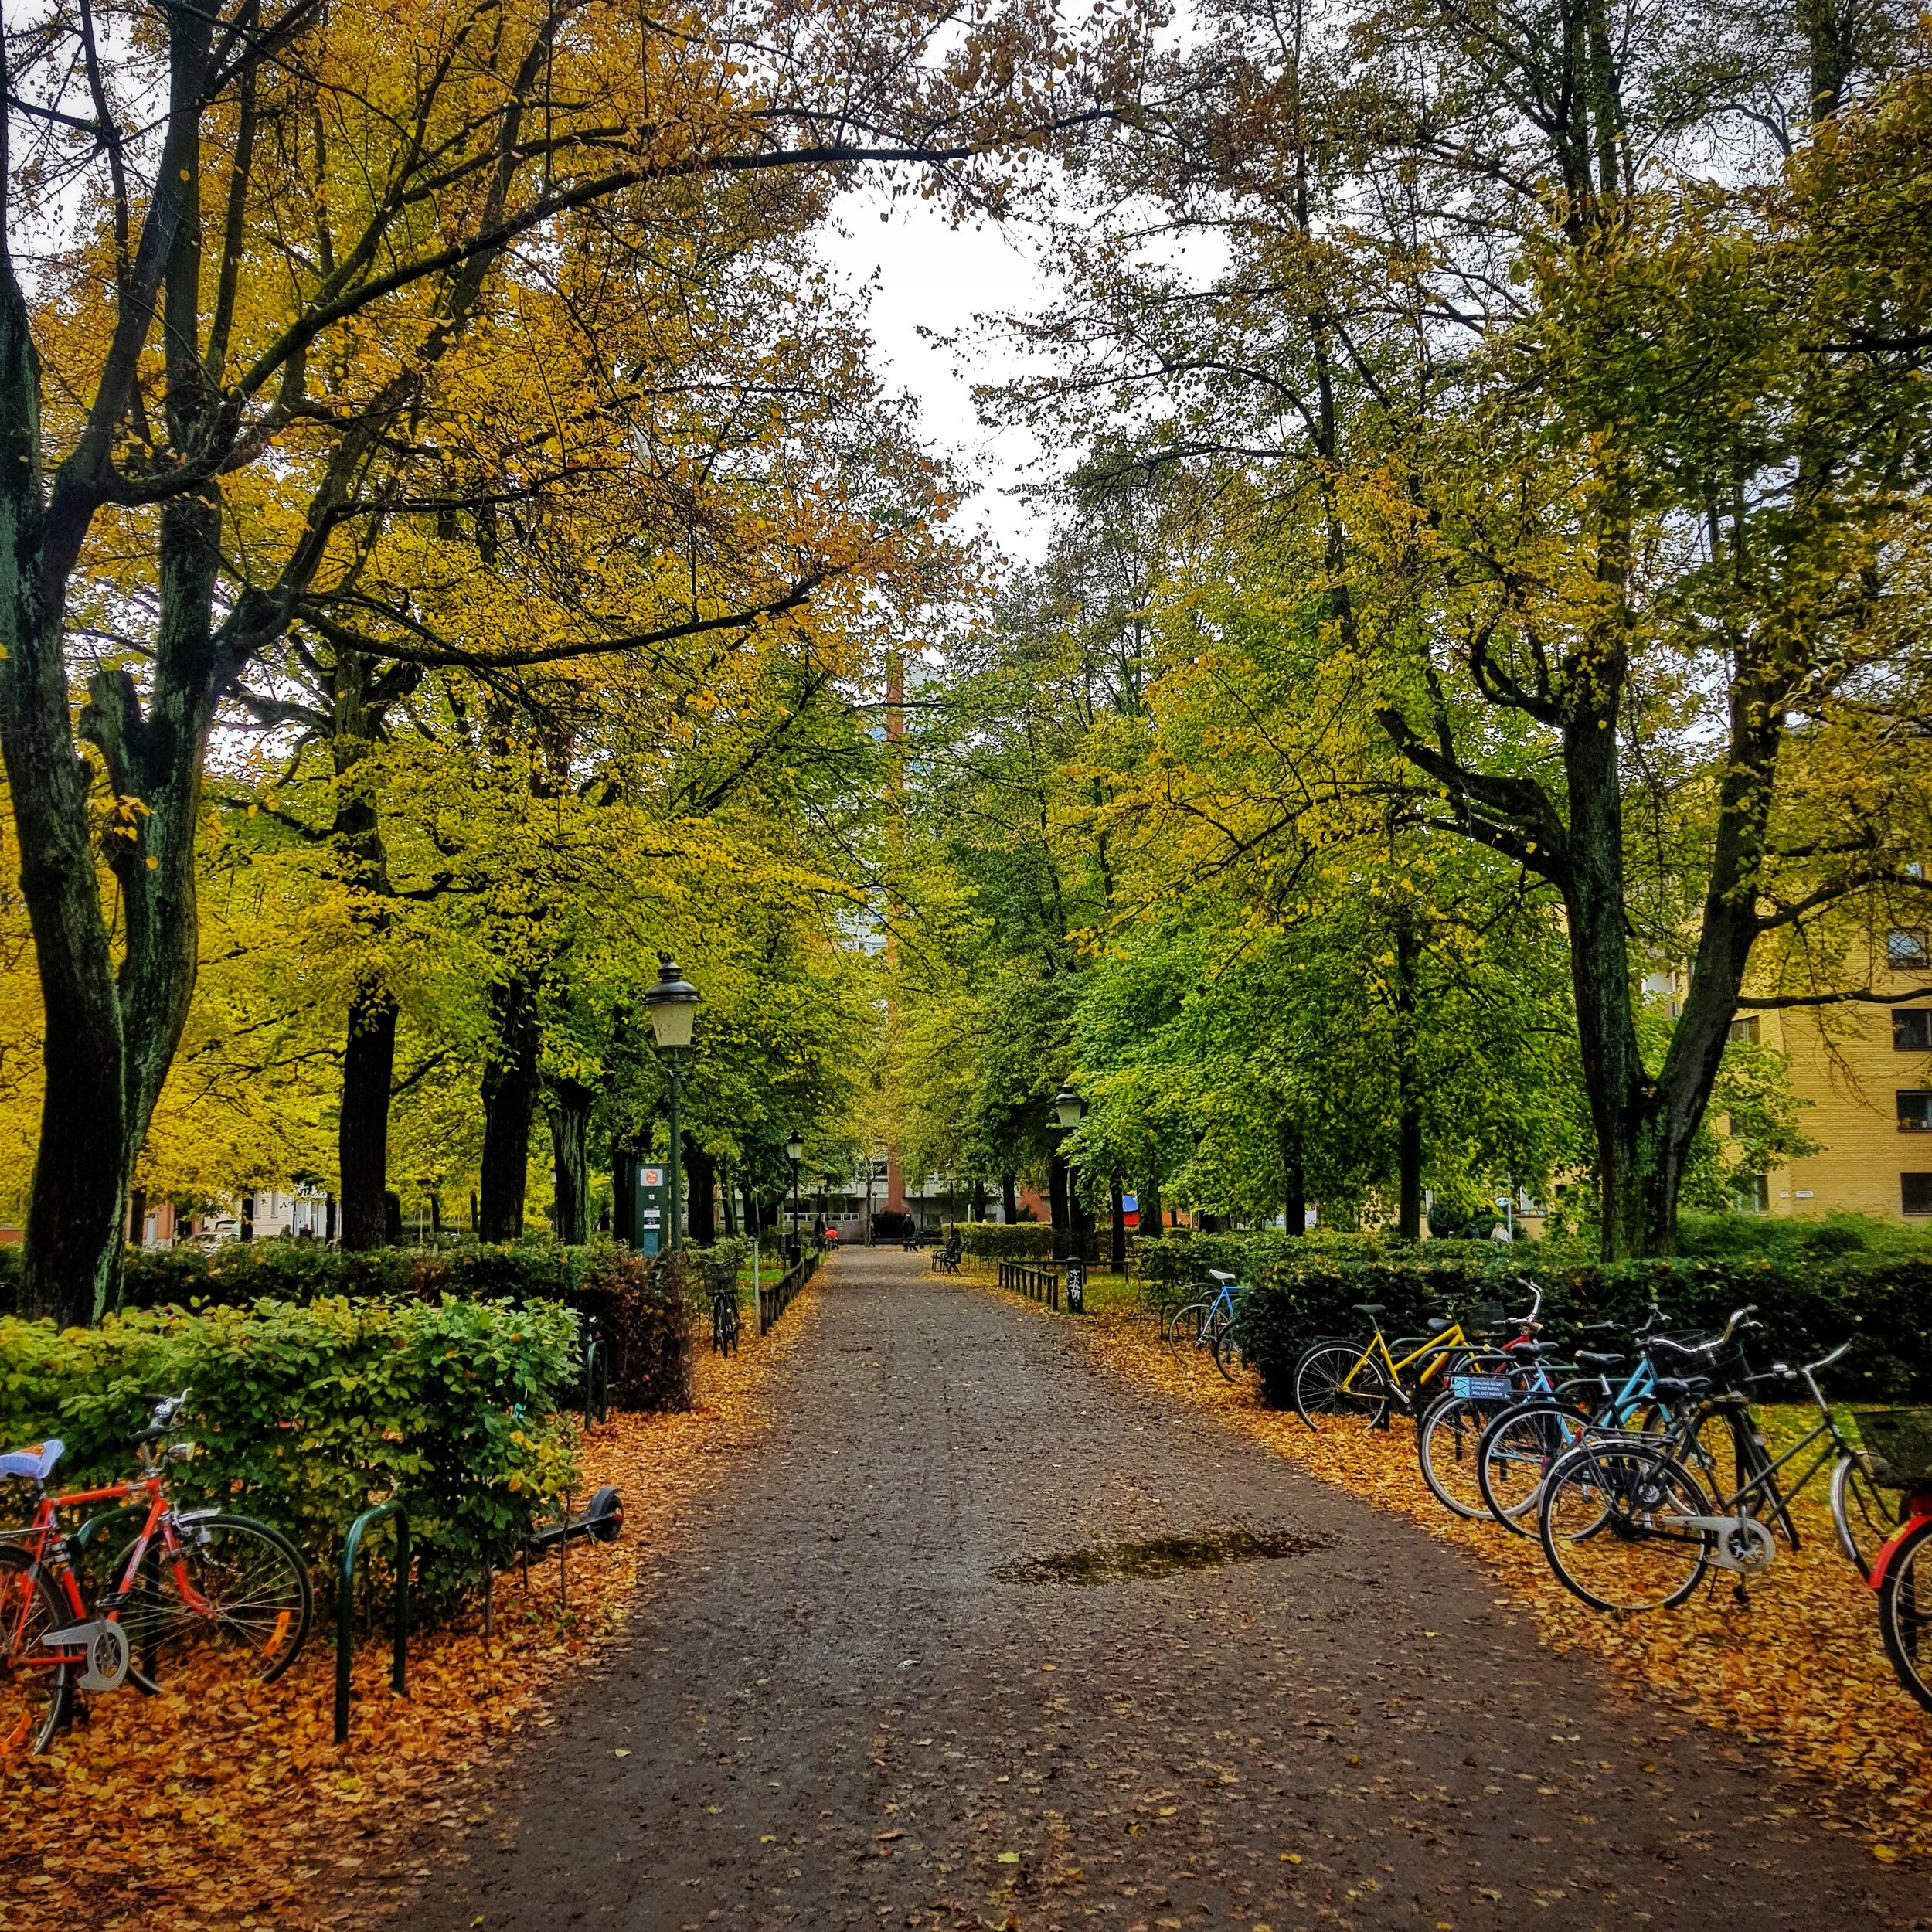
1740	1319
1784	1371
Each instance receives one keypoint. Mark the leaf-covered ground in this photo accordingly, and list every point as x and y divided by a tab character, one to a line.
1799	1669
248	1815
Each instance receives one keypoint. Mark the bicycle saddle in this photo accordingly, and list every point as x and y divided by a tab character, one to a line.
1681	1385
1214	1274
36	1462
1537	1351
1595	1358
1437	1324
1371	1309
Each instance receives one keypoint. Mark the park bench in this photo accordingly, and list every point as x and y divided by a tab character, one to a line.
946	1256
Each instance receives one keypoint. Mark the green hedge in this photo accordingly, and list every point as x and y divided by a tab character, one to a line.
638	1301
1808	1304
1006	1240
304	1414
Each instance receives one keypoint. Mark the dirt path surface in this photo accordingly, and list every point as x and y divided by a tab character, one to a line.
833	1712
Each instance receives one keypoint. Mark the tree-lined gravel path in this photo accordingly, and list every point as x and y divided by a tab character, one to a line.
833	1712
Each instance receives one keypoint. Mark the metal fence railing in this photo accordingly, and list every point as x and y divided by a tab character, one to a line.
773	1301
1036	1284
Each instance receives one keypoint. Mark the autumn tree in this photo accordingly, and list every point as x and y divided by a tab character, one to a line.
1587	348
296	224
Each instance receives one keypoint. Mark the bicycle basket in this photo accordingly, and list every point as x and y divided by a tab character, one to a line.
1481	1388
1479	1317
1900	1440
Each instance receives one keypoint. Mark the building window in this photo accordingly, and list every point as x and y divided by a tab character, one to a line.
1751	1194
1915	1193
1912	1028
1746	1028
1905	950
1915	1111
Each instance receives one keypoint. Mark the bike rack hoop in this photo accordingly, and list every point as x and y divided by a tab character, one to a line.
345	1608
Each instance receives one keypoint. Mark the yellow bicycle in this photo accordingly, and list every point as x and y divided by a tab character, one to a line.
1339	1378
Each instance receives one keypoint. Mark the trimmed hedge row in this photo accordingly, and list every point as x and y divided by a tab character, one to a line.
638	1302
1006	1240
1808	1305
283	1269
304	1414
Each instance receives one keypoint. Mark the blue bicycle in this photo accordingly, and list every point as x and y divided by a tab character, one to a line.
1520	1445
1208	1323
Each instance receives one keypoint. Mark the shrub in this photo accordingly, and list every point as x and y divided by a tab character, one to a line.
1006	1240
650	1349
304	1414
643	1307
1808	1306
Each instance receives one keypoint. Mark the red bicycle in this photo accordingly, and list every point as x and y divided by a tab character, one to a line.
1900	1444
196	1598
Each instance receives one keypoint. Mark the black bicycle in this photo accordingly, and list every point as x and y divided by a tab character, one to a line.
724	1319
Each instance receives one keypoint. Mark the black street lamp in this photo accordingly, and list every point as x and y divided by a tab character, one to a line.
1068	1110
672	1005
794	1153
1068	1106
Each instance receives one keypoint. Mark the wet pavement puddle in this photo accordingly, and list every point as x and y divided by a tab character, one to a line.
1161	1557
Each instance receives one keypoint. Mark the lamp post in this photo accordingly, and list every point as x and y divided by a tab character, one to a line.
1068	1106
794	1153
672	1005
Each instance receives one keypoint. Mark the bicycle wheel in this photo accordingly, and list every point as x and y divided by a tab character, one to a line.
1864	1516
1516	1454
1451	1437
244	1612
1905	1610
1613	1519
1229	1357
1186	1326
36	1690
1319	1376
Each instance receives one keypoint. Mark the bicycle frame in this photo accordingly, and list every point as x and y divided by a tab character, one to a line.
1918	1507
42	1537
1444	1345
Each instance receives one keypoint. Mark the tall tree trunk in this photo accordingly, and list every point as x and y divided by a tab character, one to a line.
1408	1094
361	1134
624	1195
79	1192
728	1199
701	1170
509	1098
568	1104
1637	1208
1151	1216
1118	1255
1057	1204
356	707
1009	1198
1294	1180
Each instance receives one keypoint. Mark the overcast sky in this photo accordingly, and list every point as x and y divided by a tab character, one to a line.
925	273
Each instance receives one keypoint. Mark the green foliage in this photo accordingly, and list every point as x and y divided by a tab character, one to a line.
302	1415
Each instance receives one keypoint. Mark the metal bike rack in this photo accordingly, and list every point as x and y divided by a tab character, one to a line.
345	1608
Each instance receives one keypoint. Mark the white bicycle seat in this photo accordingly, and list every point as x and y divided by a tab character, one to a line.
36	1462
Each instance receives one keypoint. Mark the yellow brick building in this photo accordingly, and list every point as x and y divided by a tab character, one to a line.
1867	1072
